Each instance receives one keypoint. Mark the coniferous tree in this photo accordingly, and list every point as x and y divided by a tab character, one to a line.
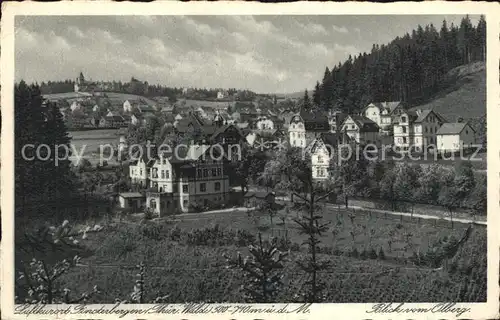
306	103
317	96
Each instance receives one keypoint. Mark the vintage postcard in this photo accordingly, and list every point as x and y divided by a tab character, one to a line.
250	161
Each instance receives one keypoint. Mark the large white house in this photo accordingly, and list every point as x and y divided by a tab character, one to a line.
361	130
264	123
189	176
417	129
383	114
305	126
453	137
320	151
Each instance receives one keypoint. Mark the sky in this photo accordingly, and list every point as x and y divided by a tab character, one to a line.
265	54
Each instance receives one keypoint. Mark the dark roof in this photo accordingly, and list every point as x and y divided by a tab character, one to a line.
314	120
258	194
221	129
452	128
421	117
365	124
114	118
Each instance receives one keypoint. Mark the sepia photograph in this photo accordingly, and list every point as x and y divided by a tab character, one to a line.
205	164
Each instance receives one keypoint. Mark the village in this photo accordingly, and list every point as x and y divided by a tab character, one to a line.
174	185
271	181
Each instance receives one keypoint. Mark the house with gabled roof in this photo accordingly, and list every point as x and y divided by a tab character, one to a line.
416	129
453	137
383	114
305	125
361	130
185	178
321	150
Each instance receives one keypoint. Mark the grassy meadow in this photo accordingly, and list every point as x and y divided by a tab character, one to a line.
185	258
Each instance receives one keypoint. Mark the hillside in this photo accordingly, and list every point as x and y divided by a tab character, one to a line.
113	97
464	93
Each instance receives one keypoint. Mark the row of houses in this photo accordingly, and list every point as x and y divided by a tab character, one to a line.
379	124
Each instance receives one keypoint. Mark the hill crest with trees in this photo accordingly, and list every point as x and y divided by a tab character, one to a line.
411	68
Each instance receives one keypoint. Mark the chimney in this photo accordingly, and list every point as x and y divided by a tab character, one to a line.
460	120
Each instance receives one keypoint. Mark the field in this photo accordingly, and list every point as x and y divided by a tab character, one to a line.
204	103
185	258
114	97
91	140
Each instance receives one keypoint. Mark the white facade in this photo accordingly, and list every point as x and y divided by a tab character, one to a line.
382	114
127	106
456	141
76	106
354	132
209	185
419	133
404	132
264	123
139	173
297	132
320	160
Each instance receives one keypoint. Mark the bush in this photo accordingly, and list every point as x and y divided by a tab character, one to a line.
153	231
149	214
354	253
175	234
244	238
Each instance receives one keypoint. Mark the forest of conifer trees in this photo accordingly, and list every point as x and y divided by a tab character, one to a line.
409	69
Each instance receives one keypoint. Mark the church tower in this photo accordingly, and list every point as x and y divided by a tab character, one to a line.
79	82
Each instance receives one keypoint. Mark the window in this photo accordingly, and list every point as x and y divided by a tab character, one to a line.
152	203
320	159
161	189
293	126
163	174
466	131
199	173
141	171
403	119
214	172
352	127
219	171
404	129
185	188
185	203
164	160
155	173
167	174
374	113
426	130
217	186
404	140
205	172
203	187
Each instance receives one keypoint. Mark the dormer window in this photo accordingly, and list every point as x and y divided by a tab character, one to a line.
403	119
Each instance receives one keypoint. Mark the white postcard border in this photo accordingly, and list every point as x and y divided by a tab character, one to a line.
487	310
